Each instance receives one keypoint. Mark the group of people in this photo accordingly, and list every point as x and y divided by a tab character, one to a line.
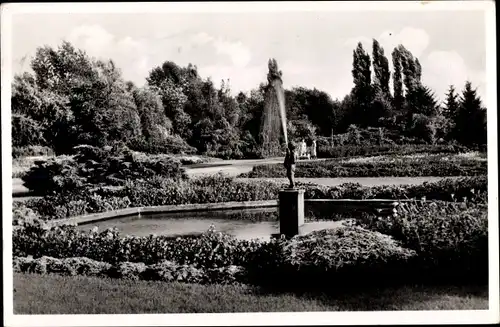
305	151
291	158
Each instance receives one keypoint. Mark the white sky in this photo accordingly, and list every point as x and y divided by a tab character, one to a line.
313	49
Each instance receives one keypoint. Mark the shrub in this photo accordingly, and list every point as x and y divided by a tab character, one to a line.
171	144
327	257
451	241
127	270
346	251
160	191
169	271
94	166
210	250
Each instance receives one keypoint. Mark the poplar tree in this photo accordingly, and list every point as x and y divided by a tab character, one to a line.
397	79
381	68
362	90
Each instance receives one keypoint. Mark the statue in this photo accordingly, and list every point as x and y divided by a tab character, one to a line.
290	159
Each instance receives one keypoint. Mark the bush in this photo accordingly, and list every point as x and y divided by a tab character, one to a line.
209	250
66	266
171	145
166	271
213	189
345	252
94	166
451	242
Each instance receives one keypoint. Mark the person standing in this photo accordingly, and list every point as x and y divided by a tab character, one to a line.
303	149
290	159
313	149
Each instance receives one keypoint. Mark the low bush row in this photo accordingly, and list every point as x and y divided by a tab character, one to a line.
210	258
166	271
429	166
160	191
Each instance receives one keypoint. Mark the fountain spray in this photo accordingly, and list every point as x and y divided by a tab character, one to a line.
274	111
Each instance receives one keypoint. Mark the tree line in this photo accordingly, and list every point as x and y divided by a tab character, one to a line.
70	98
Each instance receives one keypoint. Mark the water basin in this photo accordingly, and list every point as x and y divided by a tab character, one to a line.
258	223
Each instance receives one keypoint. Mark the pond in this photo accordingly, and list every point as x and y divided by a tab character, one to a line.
242	223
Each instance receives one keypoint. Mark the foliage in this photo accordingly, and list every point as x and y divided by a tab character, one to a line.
26	131
470	118
414	167
451	243
166	271
169	144
346	151
160	191
211	257
72	99
94	166
423	127
31	151
345	251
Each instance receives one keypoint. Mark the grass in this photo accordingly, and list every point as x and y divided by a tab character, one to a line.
52	294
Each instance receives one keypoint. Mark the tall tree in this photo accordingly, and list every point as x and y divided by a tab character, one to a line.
421	100
362	91
397	79
411	71
451	103
470	120
381	68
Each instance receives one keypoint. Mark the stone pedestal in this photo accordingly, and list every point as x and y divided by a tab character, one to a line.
291	211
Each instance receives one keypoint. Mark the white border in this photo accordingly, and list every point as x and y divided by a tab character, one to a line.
323	318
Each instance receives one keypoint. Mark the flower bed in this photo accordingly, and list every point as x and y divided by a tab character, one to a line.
398	167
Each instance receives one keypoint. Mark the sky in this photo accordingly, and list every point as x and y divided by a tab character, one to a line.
313	49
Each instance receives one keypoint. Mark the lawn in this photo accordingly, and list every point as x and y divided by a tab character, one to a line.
52	294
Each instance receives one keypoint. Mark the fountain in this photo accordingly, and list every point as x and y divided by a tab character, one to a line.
171	220
291	200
